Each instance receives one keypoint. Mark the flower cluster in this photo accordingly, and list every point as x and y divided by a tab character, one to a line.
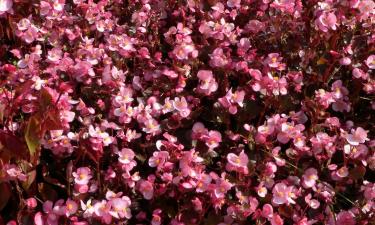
187	112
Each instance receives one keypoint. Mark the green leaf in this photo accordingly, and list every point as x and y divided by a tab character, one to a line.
32	136
26	166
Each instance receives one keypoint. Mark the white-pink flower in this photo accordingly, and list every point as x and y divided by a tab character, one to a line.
126	156
208	83
327	20
181	105
358	136
283	194
213	139
5	5
120	207
82	176
238	162
309	178
146	188
370	62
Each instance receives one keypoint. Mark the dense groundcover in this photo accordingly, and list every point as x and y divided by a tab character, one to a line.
187	112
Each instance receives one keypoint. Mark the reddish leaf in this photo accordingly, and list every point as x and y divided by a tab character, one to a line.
47	192
357	172
51	121
45	100
5	194
12	146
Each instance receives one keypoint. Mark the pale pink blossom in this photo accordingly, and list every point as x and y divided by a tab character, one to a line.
208	83
203	182
309	178
146	188
218	58
5	6
158	159
82	176
212	139
238	163
120	207
359	74
181	105
71	207
358	136
234	3
370	62
126	156
222	185
284	5
283	194
327	20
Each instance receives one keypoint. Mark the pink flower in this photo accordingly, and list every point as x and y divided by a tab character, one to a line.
184	51
208	83
283	194
370	62
234	3
358	136
156	218
238	163
146	188
5	5
338	90
344	218
71	207
82	176
323	141
231	100
12	172
284	5
151	126
197	204
31	203
120	207
213	139
342	172
218	59
309	178
324	98
158	159
102	210
126	156
203	183
366	7
187	162
31	34
273	60
345	61
327	20
181	106
267	211
222	185
359	74
276	220
199	130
